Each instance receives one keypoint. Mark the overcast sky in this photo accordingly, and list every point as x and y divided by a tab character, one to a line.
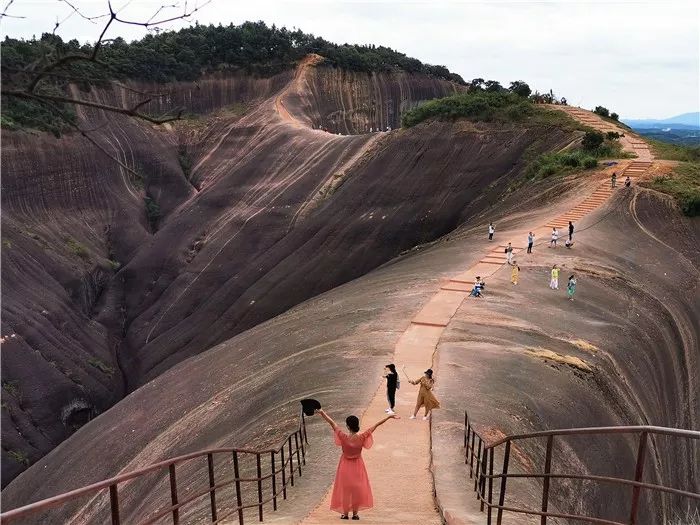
640	59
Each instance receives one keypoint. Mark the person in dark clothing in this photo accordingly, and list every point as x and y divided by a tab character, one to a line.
571	231
392	384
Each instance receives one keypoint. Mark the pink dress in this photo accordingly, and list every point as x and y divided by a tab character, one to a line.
351	490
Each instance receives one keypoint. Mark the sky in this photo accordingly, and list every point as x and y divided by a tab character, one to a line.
639	59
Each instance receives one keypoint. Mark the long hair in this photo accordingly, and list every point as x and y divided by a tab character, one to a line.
429	373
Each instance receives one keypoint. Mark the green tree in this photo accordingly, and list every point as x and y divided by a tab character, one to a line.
520	88
602	111
593	140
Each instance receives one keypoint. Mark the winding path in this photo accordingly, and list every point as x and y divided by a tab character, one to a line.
399	465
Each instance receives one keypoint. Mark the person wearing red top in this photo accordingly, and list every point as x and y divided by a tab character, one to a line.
351	489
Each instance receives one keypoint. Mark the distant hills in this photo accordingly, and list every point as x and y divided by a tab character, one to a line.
682	129
684	121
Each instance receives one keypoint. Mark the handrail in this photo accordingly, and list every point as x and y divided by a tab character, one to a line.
299	436
479	456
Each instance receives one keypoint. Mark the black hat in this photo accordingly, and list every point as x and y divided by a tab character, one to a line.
310	406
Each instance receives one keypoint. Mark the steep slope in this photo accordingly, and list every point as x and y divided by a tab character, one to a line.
232	217
329	346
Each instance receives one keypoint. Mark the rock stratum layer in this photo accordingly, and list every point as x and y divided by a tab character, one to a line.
230	217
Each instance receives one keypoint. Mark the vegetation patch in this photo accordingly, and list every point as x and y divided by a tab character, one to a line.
101	366
666	151
77	248
19	456
185	160
152	212
683	185
11	387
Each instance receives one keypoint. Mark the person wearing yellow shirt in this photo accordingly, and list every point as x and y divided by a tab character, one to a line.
554	282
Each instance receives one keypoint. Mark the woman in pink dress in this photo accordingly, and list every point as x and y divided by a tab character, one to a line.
351	489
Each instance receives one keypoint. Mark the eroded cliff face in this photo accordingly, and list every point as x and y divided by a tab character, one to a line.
231	217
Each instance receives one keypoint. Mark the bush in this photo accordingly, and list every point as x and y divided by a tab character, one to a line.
474	105
559	163
593	140
614	116
602	111
613	135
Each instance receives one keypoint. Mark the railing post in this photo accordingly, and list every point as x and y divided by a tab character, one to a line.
303	425
478	467
114	503
545	484
482	480
303	450
466	426
237	480
284	474
212	484
173	493
639	472
291	461
274	480
488	519
260	498
466	444
296	447
504	477
471	455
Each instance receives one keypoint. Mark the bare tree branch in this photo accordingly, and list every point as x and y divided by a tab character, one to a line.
131	112
36	77
4	11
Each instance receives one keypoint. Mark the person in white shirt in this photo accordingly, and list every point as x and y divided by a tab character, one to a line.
555	237
491	230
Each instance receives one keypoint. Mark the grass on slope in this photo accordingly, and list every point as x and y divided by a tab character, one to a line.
486	106
683	186
667	151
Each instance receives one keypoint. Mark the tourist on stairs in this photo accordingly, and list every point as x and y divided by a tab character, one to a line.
613	180
392	384
509	254
571	231
425	396
351	489
491	230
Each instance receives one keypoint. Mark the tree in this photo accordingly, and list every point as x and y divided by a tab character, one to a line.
602	111
493	86
477	84
520	88
593	140
614	116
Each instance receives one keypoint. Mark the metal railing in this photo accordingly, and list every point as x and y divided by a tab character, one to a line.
479	456
278	462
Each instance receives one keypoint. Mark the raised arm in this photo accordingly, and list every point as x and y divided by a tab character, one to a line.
328	419
380	423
